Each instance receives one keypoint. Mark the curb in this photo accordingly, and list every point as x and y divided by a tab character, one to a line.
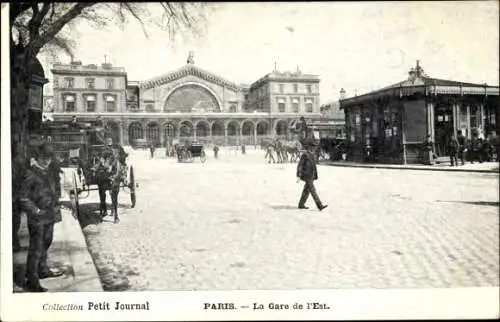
86	278
408	168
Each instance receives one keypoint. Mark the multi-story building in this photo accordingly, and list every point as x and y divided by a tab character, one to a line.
188	103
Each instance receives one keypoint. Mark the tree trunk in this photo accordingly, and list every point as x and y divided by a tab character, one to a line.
20	83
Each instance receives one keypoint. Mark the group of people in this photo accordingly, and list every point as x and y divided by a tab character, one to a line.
460	148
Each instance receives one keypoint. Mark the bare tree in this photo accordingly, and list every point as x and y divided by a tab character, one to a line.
38	27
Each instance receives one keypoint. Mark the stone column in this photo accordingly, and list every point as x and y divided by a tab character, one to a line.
455	115
481	118
195	124
468	122
225	134
240	130
255	135
431	120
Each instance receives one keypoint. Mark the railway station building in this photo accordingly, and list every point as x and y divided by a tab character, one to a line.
189	103
389	125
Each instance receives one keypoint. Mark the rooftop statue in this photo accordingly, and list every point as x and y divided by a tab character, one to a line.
190	59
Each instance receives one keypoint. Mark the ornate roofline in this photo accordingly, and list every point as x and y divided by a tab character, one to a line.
185	71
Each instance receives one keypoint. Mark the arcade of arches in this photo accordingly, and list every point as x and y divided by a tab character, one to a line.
221	132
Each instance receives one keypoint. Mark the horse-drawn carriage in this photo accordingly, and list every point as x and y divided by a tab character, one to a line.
189	151
88	158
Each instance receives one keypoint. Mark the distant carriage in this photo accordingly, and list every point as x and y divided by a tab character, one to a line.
189	151
83	151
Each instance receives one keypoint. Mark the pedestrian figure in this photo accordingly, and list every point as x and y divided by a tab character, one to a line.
453	147
307	172
152	149
428	151
243	149
269	154
216	152
39	198
462	146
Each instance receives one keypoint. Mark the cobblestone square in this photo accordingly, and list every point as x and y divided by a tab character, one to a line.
233	224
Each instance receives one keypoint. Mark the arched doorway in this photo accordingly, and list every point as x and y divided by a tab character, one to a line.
247	131
185	130
218	136
153	133
169	133
202	129
135	132
262	128
233	131
281	129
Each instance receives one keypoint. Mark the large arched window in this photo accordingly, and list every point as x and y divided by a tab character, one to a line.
191	98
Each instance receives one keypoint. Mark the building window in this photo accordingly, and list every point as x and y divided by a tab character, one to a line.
69	103
90	83
110	83
90	103
309	89
281	105
281	88
232	108
309	106
70	82
110	103
295	105
295	88
150	108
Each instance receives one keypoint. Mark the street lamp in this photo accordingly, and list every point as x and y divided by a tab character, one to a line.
342	94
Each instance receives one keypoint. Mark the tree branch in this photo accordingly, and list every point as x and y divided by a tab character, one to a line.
37	43
17	8
136	16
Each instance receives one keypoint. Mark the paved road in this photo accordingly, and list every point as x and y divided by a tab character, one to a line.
233	224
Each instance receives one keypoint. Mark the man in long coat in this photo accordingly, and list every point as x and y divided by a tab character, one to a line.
39	198
307	172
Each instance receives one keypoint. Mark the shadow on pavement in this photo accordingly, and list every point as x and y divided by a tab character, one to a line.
476	203
282	207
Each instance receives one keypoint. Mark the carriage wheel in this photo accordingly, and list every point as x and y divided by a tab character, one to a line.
132	187
203	156
74	198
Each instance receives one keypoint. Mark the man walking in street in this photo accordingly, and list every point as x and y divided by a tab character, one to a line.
453	146
39	198
462	146
307	172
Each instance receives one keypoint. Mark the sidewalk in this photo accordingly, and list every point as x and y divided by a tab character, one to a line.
485	167
68	252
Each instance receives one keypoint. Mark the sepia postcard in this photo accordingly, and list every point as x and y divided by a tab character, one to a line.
246	161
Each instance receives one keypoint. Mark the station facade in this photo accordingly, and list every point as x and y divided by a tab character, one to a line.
189	103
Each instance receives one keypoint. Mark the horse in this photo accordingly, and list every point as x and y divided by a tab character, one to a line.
109	173
293	149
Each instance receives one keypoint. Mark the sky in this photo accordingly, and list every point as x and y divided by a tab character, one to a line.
358	46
